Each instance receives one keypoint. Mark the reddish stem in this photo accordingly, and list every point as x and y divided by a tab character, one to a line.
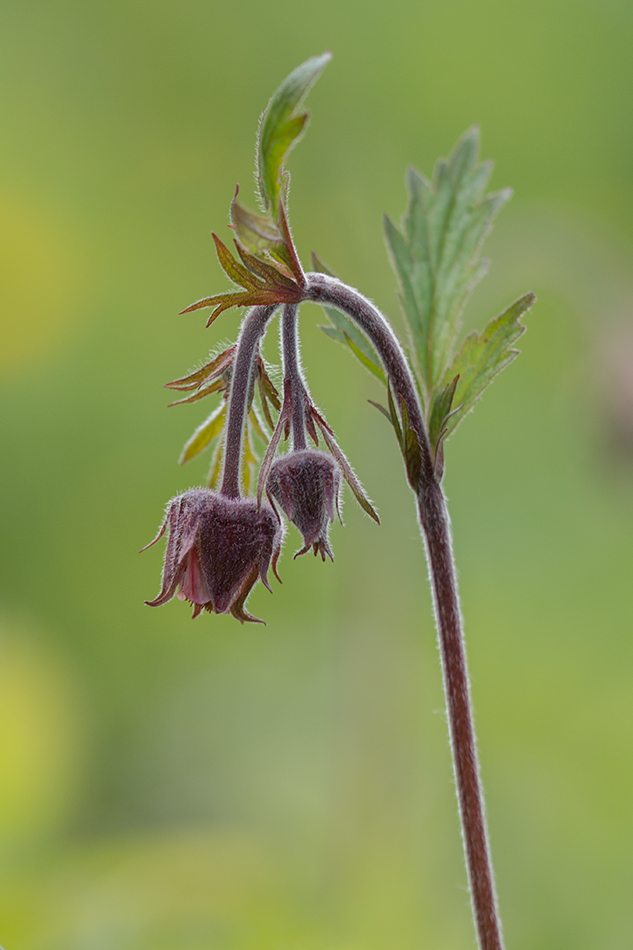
435	529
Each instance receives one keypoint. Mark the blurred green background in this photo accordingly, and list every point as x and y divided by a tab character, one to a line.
169	785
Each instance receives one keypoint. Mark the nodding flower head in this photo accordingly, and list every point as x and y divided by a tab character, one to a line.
217	548
306	484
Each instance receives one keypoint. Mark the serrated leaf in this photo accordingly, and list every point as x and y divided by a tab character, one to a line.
261	241
260	297
436	253
213	368
262	270
264	284
220	302
256	232
204	434
281	127
236	271
218	385
482	356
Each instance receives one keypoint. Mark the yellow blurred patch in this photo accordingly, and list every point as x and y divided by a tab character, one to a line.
38	283
39	739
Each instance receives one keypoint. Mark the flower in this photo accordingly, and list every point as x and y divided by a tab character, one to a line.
306	483
217	548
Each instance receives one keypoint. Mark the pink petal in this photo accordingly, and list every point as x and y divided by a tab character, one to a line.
193	585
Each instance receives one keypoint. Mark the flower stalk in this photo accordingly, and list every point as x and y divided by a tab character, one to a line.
294	376
253	329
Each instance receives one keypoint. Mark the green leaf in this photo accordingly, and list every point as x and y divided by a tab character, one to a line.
256	232
381	409
441	404
249	457
257	425
395	421
215	469
263	241
346	332
439	415
281	127
262	269
374	368
482	356
204	434
267	392
237	272
436	253
410	448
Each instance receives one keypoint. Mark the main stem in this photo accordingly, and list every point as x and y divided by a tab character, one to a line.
436	533
436	530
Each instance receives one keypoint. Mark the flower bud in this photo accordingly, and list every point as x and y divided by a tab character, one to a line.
217	548
306	484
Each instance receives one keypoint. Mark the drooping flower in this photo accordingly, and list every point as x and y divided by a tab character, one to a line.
216	550
306	484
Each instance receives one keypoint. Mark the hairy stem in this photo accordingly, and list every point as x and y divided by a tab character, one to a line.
435	529
253	329
293	374
328	290
435	524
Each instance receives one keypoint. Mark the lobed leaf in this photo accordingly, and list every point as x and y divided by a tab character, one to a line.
270	274
436	253
237	272
481	358
256	232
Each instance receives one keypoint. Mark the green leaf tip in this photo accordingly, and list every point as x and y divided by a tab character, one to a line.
282	125
436	253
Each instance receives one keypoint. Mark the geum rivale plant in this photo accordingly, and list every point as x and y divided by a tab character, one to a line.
220	539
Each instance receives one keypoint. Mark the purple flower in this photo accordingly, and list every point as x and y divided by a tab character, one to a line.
306	484
217	548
